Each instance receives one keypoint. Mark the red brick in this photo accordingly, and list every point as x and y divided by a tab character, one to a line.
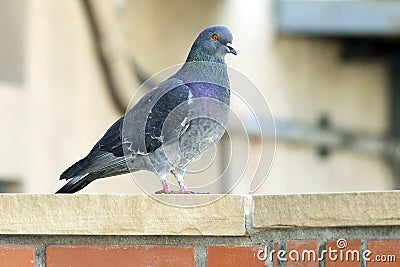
275	256
232	256
301	250
121	256
347	255
383	248
17	255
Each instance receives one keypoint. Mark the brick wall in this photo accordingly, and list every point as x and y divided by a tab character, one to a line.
357	229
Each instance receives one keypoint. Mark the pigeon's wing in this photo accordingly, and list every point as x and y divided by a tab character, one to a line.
140	131
157	118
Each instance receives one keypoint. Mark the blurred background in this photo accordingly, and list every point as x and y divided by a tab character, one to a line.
330	71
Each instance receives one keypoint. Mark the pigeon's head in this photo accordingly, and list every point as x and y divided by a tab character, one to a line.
212	43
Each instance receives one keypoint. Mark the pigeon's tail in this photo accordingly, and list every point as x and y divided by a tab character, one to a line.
74	170
77	183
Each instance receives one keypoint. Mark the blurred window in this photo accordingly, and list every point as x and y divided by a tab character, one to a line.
10	186
338	18
12	24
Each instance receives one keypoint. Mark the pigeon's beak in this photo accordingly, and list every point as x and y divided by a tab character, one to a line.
231	49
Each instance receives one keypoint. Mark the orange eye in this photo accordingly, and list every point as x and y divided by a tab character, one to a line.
215	37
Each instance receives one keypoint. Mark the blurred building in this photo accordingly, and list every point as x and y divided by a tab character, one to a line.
55	98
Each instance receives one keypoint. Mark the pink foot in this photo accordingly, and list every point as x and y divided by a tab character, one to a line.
187	191
167	190
180	191
163	191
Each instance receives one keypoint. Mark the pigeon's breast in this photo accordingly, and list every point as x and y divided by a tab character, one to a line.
210	90
208	116
202	122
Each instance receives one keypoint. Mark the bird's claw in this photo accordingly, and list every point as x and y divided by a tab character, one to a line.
180	191
163	191
187	191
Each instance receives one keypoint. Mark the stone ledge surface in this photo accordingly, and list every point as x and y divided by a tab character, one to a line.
80	214
327	210
120	215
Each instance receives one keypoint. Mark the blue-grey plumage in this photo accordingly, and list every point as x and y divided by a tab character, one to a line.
171	125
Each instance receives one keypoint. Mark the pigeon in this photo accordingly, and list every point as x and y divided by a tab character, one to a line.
171	125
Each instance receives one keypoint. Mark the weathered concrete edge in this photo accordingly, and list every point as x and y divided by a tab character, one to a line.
230	215
326	210
49	214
